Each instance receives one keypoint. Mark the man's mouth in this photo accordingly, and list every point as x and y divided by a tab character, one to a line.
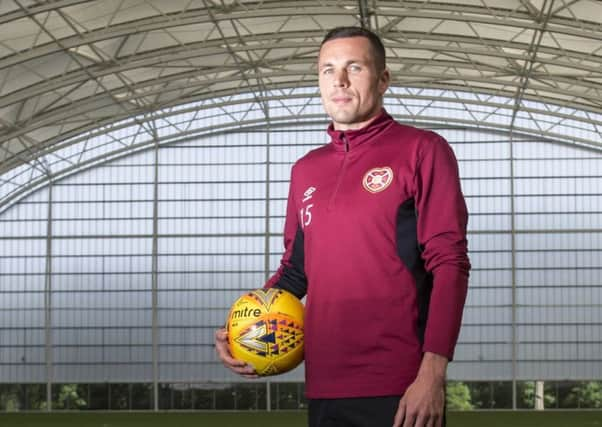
341	99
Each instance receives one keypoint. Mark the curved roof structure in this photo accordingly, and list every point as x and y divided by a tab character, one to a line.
72	69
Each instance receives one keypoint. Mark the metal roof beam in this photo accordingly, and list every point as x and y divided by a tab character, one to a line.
39	7
108	120
93	103
198	16
156	85
365	14
543	16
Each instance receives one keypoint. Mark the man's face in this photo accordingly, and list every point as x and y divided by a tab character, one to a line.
350	85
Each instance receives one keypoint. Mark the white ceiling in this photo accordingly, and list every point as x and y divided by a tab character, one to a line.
70	66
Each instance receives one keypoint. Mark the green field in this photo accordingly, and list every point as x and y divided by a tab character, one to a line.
287	419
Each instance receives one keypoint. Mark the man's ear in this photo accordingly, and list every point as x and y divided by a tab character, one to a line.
383	81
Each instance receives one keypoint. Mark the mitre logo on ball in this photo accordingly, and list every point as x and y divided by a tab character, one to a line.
265	329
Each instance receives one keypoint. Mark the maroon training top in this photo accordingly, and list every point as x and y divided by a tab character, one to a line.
375	236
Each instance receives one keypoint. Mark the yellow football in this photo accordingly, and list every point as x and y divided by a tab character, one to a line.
265	329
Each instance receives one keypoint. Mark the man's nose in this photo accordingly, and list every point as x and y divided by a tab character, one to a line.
340	79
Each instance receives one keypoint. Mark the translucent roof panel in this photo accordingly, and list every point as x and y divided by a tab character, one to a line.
73	68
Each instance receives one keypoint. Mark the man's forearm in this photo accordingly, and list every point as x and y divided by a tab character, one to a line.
433	367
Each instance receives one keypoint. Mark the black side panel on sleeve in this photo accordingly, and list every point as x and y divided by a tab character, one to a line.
409	250
293	277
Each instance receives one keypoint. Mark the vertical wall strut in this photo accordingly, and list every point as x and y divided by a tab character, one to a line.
154	274
48	303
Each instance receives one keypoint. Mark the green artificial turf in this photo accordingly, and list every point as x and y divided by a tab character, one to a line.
205	419
526	419
287	419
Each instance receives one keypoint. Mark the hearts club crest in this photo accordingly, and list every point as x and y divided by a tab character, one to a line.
377	179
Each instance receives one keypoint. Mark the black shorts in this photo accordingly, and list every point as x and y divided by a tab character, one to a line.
354	412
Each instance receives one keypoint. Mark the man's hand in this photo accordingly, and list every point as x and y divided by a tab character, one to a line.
237	366
423	403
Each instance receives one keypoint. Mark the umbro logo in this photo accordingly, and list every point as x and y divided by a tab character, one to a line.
308	194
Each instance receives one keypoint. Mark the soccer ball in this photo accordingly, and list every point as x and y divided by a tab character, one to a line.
265	329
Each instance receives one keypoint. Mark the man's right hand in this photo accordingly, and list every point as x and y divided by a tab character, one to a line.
223	352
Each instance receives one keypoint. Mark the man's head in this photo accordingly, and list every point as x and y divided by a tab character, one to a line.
378	49
352	76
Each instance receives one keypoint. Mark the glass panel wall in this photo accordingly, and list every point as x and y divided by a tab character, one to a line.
113	280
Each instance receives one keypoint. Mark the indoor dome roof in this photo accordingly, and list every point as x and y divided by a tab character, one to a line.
70	66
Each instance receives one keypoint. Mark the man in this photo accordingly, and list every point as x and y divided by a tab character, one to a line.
375	236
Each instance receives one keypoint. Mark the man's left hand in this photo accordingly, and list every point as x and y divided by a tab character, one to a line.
423	403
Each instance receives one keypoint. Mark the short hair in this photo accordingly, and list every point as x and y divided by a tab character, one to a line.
378	49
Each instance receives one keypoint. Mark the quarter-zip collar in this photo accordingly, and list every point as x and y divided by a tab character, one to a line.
349	139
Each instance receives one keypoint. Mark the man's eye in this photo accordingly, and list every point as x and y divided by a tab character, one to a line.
327	71
354	68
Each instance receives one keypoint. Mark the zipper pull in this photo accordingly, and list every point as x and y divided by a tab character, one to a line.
344	138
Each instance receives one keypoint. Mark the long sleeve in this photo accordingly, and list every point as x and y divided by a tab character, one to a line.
442	220
290	275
